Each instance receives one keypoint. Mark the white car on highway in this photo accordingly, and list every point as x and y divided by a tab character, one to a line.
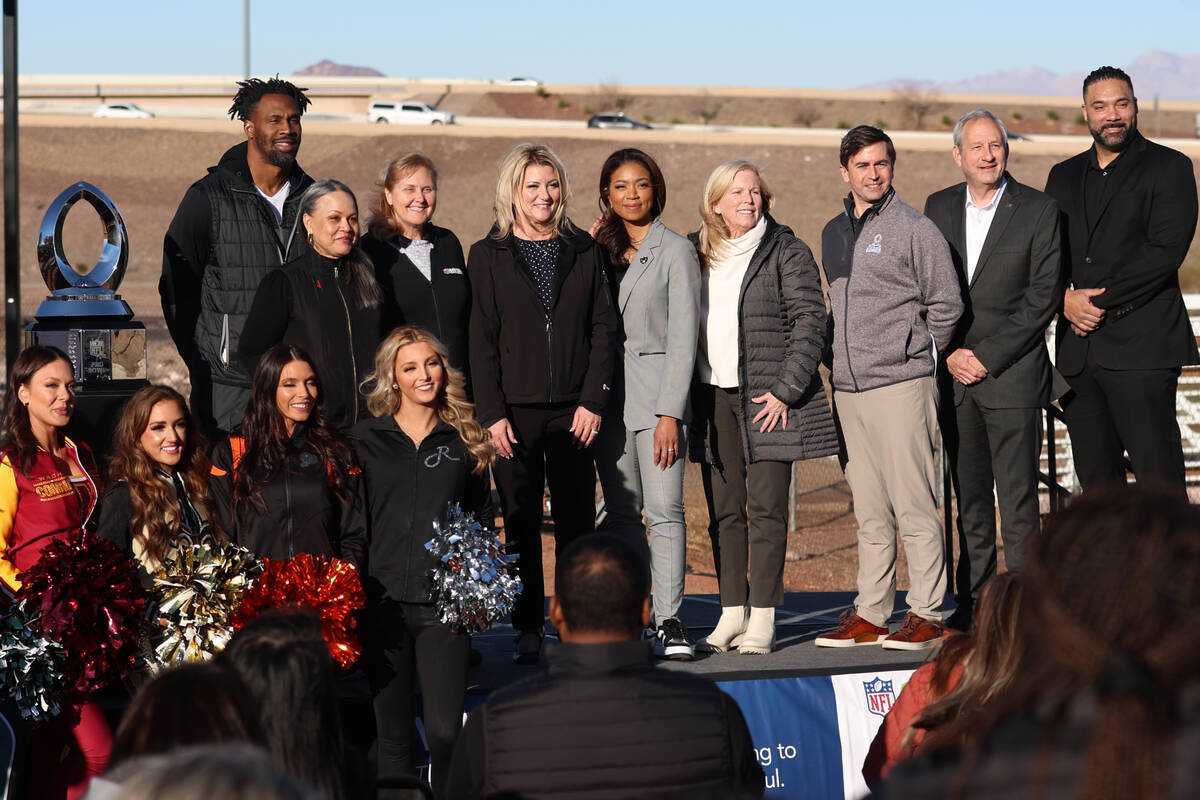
122	111
408	113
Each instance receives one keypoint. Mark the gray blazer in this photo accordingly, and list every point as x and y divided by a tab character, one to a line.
659	300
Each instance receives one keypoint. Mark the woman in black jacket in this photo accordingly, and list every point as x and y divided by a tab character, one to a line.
325	302
543	344
157	497
285	482
423	451
419	267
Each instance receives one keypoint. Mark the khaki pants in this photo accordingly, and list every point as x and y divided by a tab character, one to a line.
891	435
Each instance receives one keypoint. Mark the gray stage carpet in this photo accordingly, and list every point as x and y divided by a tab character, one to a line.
803	616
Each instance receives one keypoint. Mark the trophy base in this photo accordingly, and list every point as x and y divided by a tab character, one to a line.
75	304
110	364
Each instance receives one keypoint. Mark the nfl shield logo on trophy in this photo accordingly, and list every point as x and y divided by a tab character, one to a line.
879	696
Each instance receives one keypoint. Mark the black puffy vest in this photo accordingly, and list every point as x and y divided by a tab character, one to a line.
246	245
627	731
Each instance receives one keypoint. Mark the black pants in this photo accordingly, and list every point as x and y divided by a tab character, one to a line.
545	450
1000	447
410	644
1112	411
747	506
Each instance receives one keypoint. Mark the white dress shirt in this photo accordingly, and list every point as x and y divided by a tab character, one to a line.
979	220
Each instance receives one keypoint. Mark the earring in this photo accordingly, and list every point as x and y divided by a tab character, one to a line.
310	238
395	387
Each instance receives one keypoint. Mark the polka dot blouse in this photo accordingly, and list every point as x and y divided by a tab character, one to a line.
542	258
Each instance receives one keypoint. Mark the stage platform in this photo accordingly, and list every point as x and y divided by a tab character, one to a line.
802	618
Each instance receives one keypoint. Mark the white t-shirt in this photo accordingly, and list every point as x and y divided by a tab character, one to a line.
277	200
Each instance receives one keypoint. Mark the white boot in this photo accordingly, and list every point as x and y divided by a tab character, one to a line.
728	632
760	633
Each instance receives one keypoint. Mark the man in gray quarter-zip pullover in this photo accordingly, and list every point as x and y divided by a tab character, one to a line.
895	300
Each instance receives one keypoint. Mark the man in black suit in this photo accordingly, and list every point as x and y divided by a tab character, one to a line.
1004	239
1129	209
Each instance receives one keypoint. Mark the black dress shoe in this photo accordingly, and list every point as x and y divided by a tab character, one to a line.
960	620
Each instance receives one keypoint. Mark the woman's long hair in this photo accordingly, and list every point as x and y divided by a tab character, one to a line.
713	233
612	235
19	440
990	656
282	657
265	434
512	175
453	406
357	273
190	704
383	223
155	507
1107	615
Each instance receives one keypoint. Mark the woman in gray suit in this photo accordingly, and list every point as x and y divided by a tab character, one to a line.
641	443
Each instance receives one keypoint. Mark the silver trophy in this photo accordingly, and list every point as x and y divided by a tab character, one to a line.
84	316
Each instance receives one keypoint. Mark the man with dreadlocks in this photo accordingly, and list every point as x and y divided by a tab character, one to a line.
233	226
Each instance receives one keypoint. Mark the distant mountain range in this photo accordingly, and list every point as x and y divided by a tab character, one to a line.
327	68
1155	72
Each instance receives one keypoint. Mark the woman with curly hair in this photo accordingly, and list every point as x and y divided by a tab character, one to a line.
421	452
286	482
157	496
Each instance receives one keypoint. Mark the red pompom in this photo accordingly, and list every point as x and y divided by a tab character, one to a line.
84	593
328	586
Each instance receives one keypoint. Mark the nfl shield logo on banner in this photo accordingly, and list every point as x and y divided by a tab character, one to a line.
879	696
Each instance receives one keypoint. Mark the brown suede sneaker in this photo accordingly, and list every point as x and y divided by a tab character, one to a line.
917	633
852	631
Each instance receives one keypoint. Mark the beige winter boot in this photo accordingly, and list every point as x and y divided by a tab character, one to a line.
728	633
760	632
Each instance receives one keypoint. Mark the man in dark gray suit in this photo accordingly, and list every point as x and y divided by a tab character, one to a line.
1004	238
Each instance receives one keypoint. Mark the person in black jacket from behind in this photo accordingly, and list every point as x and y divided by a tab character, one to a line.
325	302
423	451
602	722
285	482
419	267
544	339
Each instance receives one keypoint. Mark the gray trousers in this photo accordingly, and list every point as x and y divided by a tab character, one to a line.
631	483
1000	447
747	509
891	435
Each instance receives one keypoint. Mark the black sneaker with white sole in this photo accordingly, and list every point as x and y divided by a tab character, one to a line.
671	641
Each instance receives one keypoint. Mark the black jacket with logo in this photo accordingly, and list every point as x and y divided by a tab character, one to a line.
408	486
302	513
440	305
523	354
307	304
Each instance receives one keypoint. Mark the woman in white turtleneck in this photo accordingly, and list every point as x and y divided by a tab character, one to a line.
759	404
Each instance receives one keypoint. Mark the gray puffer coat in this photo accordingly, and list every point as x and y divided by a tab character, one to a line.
782	332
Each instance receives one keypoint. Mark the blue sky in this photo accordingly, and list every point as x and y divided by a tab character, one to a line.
777	43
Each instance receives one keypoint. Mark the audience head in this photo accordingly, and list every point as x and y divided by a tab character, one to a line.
285	390
40	397
405	196
282	657
1109	638
270	112
1110	108
187	705
601	591
207	772
532	191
